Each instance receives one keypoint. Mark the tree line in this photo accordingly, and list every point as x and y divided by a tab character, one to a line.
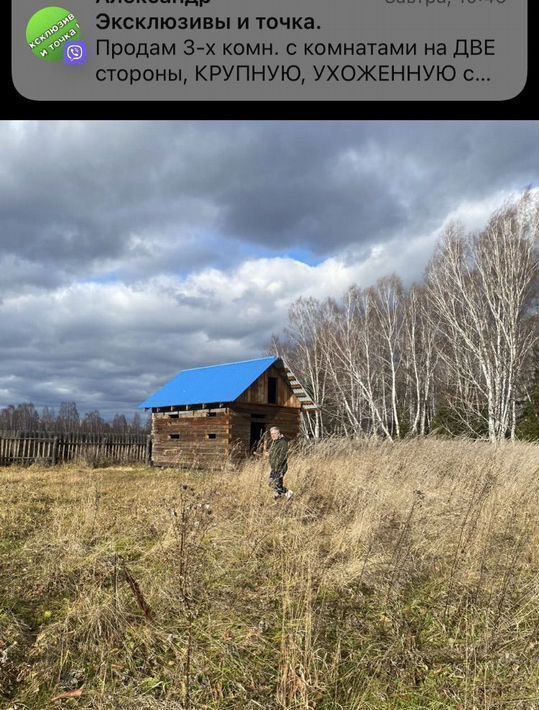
455	353
25	417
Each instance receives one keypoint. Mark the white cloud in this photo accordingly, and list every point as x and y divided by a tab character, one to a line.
142	257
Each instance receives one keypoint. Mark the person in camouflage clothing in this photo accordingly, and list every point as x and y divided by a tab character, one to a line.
278	459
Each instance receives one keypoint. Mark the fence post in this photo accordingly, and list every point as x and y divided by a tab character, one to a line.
19	445
149	449
55	451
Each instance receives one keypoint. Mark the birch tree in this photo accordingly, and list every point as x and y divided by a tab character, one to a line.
478	287
355	362
420	359
388	304
305	354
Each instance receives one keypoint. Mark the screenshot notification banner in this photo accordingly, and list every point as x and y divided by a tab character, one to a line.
256	50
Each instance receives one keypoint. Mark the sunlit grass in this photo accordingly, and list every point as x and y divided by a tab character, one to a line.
402	576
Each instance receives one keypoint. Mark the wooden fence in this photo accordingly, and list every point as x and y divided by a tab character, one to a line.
23	447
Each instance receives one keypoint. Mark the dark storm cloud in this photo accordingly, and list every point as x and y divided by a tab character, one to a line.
109	345
76	196
129	251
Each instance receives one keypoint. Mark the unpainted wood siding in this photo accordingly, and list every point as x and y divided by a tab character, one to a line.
258	391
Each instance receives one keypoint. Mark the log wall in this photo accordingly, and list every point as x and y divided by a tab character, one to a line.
198	439
183	438
287	419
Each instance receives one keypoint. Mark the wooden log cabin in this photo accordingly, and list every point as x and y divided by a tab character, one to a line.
208	415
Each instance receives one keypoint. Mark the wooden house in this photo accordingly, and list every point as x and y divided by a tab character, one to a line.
207	415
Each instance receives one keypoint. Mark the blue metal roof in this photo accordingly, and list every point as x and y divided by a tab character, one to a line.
205	385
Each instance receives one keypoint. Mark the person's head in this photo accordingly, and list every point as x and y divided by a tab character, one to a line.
275	433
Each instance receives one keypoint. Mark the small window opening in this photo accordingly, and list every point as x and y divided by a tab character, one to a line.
272	390
173	436
174	415
212	436
212	414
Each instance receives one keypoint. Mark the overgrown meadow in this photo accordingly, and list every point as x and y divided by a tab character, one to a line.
401	575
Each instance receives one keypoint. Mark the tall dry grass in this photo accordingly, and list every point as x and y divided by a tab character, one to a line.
399	576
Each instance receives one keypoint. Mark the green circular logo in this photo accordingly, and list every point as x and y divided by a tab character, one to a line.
49	30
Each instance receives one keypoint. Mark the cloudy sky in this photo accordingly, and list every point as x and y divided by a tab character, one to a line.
129	251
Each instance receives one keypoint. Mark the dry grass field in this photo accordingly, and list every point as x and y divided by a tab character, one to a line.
400	576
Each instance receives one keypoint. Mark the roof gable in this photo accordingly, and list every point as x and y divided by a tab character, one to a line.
204	385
